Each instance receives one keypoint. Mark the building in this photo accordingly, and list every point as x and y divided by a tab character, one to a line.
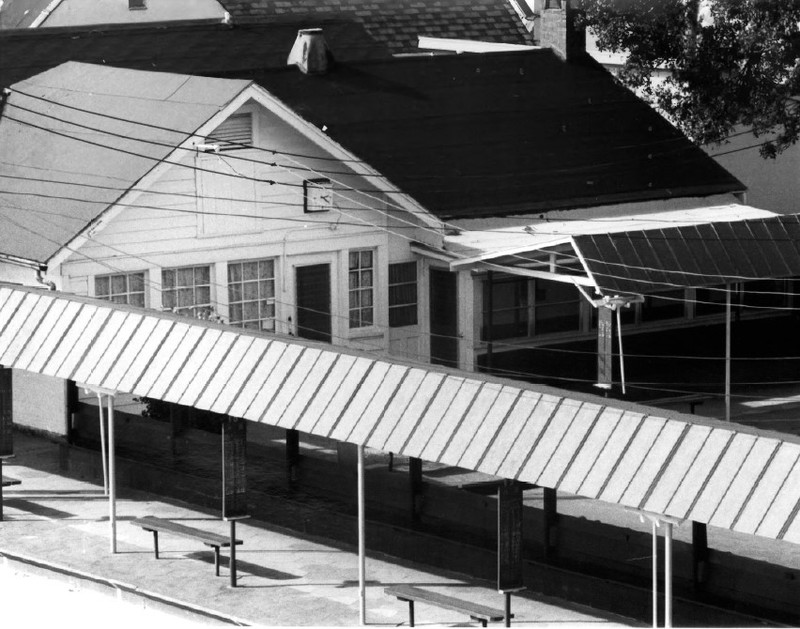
54	13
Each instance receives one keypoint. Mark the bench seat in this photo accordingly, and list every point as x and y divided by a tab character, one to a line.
412	594
160	525
8	482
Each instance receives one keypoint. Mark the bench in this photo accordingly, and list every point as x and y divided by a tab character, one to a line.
7	482
157	525
411	594
692	399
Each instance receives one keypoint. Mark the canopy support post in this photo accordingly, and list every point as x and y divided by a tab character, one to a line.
112	480
361	545
103	456
655	573
727	352
668	575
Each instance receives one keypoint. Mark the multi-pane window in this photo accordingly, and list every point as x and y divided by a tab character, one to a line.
251	294
123	288
402	294
510	309
187	290
361	283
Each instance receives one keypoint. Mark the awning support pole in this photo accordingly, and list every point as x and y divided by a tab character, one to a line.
112	482
361	545
654	524
103	443
621	356
668	575
727	352
489	320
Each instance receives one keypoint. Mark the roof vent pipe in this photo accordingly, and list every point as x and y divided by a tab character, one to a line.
310	52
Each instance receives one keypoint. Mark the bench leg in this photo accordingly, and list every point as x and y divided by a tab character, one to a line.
216	559
155	542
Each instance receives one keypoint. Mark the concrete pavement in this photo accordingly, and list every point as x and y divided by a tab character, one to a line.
59	526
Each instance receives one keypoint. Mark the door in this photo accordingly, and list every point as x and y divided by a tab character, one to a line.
313	287
444	318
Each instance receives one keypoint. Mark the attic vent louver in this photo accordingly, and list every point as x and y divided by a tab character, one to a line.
235	132
310	52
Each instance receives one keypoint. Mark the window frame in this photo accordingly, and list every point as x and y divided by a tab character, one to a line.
195	309
270	301
394	308
128	292
360	322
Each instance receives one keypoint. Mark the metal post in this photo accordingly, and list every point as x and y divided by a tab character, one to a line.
103	443
361	545
727	352
508	609
668	575
655	573
112	482
621	356
489	320
233	554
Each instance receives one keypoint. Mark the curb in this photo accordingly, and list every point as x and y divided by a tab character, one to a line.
123	591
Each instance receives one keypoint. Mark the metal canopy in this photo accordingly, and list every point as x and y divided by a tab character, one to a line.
697	255
645	257
729	476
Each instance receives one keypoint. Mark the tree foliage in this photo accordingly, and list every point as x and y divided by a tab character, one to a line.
710	65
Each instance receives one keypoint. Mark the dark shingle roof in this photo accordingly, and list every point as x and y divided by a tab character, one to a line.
198	47
503	133
398	23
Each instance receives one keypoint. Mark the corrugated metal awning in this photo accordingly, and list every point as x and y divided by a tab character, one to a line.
697	255
727	475
682	251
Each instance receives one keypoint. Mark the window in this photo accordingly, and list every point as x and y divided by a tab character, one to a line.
711	300
663	305
360	283
402	294
124	288
236	131
557	307
187	290
317	195
509	308
251	294
523	307
137	4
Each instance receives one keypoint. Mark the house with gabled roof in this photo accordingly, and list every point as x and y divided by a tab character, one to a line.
360	202
54	13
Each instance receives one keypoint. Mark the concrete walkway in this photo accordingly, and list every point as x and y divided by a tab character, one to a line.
59	526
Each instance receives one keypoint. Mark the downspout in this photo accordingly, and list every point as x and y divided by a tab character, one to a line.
50	284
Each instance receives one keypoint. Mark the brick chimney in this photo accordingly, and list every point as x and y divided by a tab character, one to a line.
310	52
558	30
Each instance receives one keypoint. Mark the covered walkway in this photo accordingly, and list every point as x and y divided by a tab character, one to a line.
678	466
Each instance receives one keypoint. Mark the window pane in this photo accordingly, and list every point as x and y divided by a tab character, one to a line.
203	295
234	292
234	272
266	268
366	278
268	289
137	299
366	297
168	299
250	271
101	285
136	282
250	290
185	297
353	260
185	277
366	316
236	312
250	310
168	278
366	259
353	280
118	284
202	275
